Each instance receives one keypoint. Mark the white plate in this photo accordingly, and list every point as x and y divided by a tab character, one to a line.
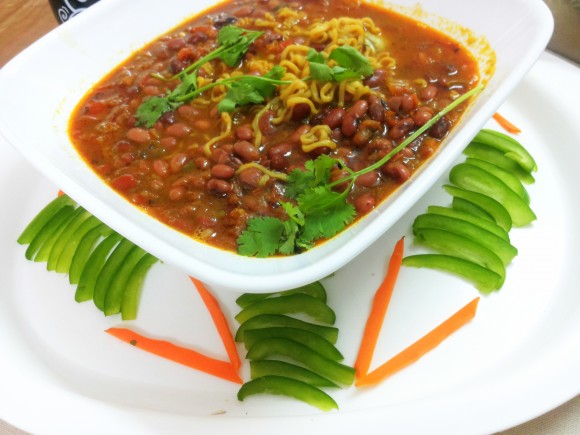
60	373
72	59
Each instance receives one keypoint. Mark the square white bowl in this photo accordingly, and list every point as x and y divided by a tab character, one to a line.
40	88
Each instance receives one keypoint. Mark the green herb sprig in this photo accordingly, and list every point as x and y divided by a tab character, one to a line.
349	64
320	212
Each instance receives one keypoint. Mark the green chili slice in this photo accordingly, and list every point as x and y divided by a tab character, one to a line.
486	224
264	367
42	218
329	333
315	289
510	147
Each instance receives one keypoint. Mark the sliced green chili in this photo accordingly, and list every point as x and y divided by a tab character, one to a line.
491	155
486	224
466	206
482	278
295	303
134	285
42	218
264	367
451	244
329	333
503	249
490	205
66	236
475	179
332	370
44	252
288	387
315	289
307	338
508	178
84	250
66	257
510	147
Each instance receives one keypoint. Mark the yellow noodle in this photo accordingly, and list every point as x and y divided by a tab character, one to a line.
317	136
227	120
266	171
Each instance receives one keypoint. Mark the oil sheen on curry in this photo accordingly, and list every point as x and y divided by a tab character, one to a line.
203	127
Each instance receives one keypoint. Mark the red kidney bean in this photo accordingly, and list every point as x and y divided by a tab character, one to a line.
220	156
218	186
422	115
176	43
376	108
176	193
338	174
362	137
222	172
364	203
168	142
202	124
124	182
201	163
401	128
250	177
349	125
177	162
381	143
265	122
359	108
394	103
295	137
279	154
377	79
428	92
151	90
161	167
245	132
300	111
137	134
334	118
246	151
370	179
408	104
244	11
440	128
396	170
178	130
188	112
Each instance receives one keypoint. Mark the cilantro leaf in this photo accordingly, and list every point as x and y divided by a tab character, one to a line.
353	61
235	42
152	109
326	223
317	172
266	236
351	64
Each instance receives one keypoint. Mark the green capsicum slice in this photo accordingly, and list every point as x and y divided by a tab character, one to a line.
329	333
84	250
451	244
265	367
466	206
503	249
307	338
114	294
491	155
134	285
112	264
65	260
46	231
93	267
43	253
482	278
288	387
475	179
510	147
486	224
295	303
490	205
269	348
508	178
315	289
66	237
42	218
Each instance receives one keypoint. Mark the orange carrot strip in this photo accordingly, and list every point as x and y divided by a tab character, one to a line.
421	346
178	354
378	311
505	124
220	321
60	193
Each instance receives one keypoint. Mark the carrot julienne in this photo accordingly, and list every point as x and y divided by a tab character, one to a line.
178	354
426	343
505	124
378	311
220	322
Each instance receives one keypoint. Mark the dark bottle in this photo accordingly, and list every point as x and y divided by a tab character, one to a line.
64	10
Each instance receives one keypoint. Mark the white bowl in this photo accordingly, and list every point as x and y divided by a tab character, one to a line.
40	88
